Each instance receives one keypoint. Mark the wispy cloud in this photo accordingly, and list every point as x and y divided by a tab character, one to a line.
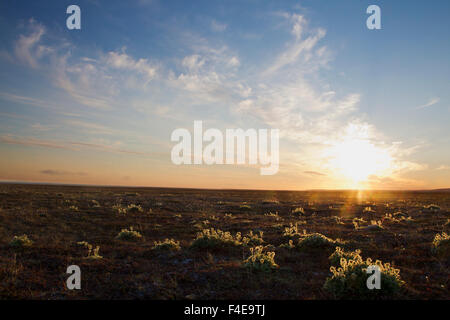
28	48
314	173
91	127
70	145
302	47
122	61
39	127
52	172
91	81
217	26
430	103
24	99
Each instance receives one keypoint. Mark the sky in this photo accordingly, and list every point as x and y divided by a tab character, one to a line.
355	108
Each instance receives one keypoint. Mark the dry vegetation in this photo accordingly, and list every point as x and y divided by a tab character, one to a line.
207	244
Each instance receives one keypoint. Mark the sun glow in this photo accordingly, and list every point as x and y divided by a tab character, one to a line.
358	159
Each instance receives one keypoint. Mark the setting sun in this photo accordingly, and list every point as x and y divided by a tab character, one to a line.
357	159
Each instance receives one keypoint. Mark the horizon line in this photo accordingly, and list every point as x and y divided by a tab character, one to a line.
199	188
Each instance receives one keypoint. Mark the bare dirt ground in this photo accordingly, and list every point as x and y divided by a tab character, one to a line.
56	218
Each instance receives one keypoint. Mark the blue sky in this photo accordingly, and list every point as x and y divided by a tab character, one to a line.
98	105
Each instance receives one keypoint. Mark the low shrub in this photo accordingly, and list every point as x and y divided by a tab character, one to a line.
431	208
368	210
21	241
349	281
289	245
245	207
131	208
95	204
337	220
253	239
129	235
373	226
335	258
167	245
441	245
92	252
292	231
447	224
212	238
270	201
299	211
317	241
260	260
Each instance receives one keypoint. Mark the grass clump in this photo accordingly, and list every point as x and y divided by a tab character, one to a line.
441	245
336	256
119	209
357	222
270	201
374	226
92	252
292	231
131	208
245	207
337	220
431	208
312	241
95	203
349	280
260	260
299	211
21	241
212	238
368	210
273	215
253	239
316	241
129	235
289	245
167	245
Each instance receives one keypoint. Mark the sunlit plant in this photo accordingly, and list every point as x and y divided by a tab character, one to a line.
292	231
21	241
349	280
441	245
212	238
260	260
432	208
167	245
317	241
215	238
336	256
93	253
253	239
129	235
299	211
